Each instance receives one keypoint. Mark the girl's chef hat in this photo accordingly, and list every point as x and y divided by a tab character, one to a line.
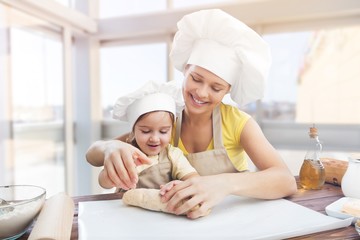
220	43
151	97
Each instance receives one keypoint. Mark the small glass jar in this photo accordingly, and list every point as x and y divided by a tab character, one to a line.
350	183
312	171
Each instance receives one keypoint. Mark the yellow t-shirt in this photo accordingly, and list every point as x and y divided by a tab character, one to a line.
232	123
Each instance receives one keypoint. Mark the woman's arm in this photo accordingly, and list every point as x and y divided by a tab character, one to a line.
273	180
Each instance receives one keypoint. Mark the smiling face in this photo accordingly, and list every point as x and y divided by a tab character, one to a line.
152	132
203	90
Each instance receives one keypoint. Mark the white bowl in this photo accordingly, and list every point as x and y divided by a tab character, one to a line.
24	203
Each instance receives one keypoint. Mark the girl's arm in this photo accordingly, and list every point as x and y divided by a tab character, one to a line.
119	160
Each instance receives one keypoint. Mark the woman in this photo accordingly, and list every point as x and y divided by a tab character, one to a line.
218	55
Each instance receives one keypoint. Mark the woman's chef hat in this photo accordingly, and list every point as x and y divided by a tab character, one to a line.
150	97
220	43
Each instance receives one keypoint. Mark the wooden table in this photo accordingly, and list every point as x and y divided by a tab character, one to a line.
313	199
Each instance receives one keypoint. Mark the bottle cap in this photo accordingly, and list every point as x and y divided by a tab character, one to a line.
313	132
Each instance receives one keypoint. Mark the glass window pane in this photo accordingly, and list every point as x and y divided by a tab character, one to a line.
111	8
125	68
67	3
288	51
314	77
37	77
37	90
192	3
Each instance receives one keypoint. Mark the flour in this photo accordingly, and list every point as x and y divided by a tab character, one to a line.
16	221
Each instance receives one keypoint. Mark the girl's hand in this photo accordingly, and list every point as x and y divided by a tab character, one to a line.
120	161
205	191
167	187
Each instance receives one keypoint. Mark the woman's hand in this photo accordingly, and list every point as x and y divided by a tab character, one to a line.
120	161
205	191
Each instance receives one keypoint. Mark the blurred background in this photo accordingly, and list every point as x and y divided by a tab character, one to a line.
64	63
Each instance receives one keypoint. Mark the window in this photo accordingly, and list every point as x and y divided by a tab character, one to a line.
288	51
192	3
314	77
111	8
126	68
37	76
67	3
37	110
313	80
36	103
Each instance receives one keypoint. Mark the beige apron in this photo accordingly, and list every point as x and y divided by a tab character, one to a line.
211	161
157	174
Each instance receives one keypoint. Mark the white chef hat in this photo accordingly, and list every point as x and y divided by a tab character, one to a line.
220	43
150	97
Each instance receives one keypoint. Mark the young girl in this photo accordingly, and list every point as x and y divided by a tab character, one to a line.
151	112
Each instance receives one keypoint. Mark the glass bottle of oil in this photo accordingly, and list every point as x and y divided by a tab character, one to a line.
312	172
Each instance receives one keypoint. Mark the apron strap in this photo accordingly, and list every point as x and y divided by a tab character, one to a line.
178	129
217	131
